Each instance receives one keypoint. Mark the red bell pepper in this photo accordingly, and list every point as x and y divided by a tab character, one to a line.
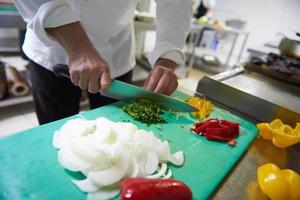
214	129
200	127
154	189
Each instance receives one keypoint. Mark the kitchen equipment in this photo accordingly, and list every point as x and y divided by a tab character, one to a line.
3	82
17	85
144	17
280	67
289	47
121	91
210	60
236	23
29	167
252	108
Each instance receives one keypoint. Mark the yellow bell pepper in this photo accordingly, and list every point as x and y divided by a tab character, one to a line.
280	134
205	107
279	184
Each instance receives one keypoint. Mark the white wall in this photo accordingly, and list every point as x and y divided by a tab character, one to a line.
264	17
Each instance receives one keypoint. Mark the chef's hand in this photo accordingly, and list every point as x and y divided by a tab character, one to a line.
162	78
87	69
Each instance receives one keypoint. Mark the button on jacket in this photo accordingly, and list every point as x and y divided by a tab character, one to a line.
109	25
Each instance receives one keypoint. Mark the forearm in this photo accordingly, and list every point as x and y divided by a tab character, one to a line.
71	37
87	69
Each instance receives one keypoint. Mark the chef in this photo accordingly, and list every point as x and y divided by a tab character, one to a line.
95	38
203	8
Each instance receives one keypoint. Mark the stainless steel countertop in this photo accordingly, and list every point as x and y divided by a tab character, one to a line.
277	92
241	183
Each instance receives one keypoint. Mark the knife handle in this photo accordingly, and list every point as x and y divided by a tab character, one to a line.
61	70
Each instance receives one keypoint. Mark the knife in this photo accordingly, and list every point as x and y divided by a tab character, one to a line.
124	91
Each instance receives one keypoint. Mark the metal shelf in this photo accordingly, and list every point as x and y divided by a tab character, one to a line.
10	101
11	19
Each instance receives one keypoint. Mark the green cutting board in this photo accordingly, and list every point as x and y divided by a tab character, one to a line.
29	168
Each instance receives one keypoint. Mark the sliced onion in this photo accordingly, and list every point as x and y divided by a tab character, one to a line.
169	174
134	170
70	161
103	132
107	152
177	158
60	141
111	175
85	172
163	150
85	185
89	130
71	129
161	171
123	134
152	163
80	147
76	127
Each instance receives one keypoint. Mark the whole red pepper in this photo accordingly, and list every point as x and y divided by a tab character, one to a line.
154	189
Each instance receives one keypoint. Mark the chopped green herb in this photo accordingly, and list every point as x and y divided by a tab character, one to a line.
145	111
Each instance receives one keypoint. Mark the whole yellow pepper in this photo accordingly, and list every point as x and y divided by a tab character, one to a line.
279	184
280	134
204	107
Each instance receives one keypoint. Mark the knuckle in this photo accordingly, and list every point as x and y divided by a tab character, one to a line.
95	70
84	69
168	72
158	68
93	91
73	71
74	82
81	87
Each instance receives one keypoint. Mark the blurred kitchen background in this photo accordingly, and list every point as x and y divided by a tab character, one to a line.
234	36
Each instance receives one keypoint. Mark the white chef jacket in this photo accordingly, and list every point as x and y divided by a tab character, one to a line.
109	26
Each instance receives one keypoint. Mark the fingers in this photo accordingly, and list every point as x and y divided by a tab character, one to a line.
74	77
154	78
162	85
162	80
105	80
173	84
91	76
94	84
84	78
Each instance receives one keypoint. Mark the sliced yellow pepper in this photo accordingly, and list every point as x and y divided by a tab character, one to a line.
265	131
279	184
204	107
281	135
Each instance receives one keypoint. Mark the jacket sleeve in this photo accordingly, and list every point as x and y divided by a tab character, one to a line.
41	14
173	23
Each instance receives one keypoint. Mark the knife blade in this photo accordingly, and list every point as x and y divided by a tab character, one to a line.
124	91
